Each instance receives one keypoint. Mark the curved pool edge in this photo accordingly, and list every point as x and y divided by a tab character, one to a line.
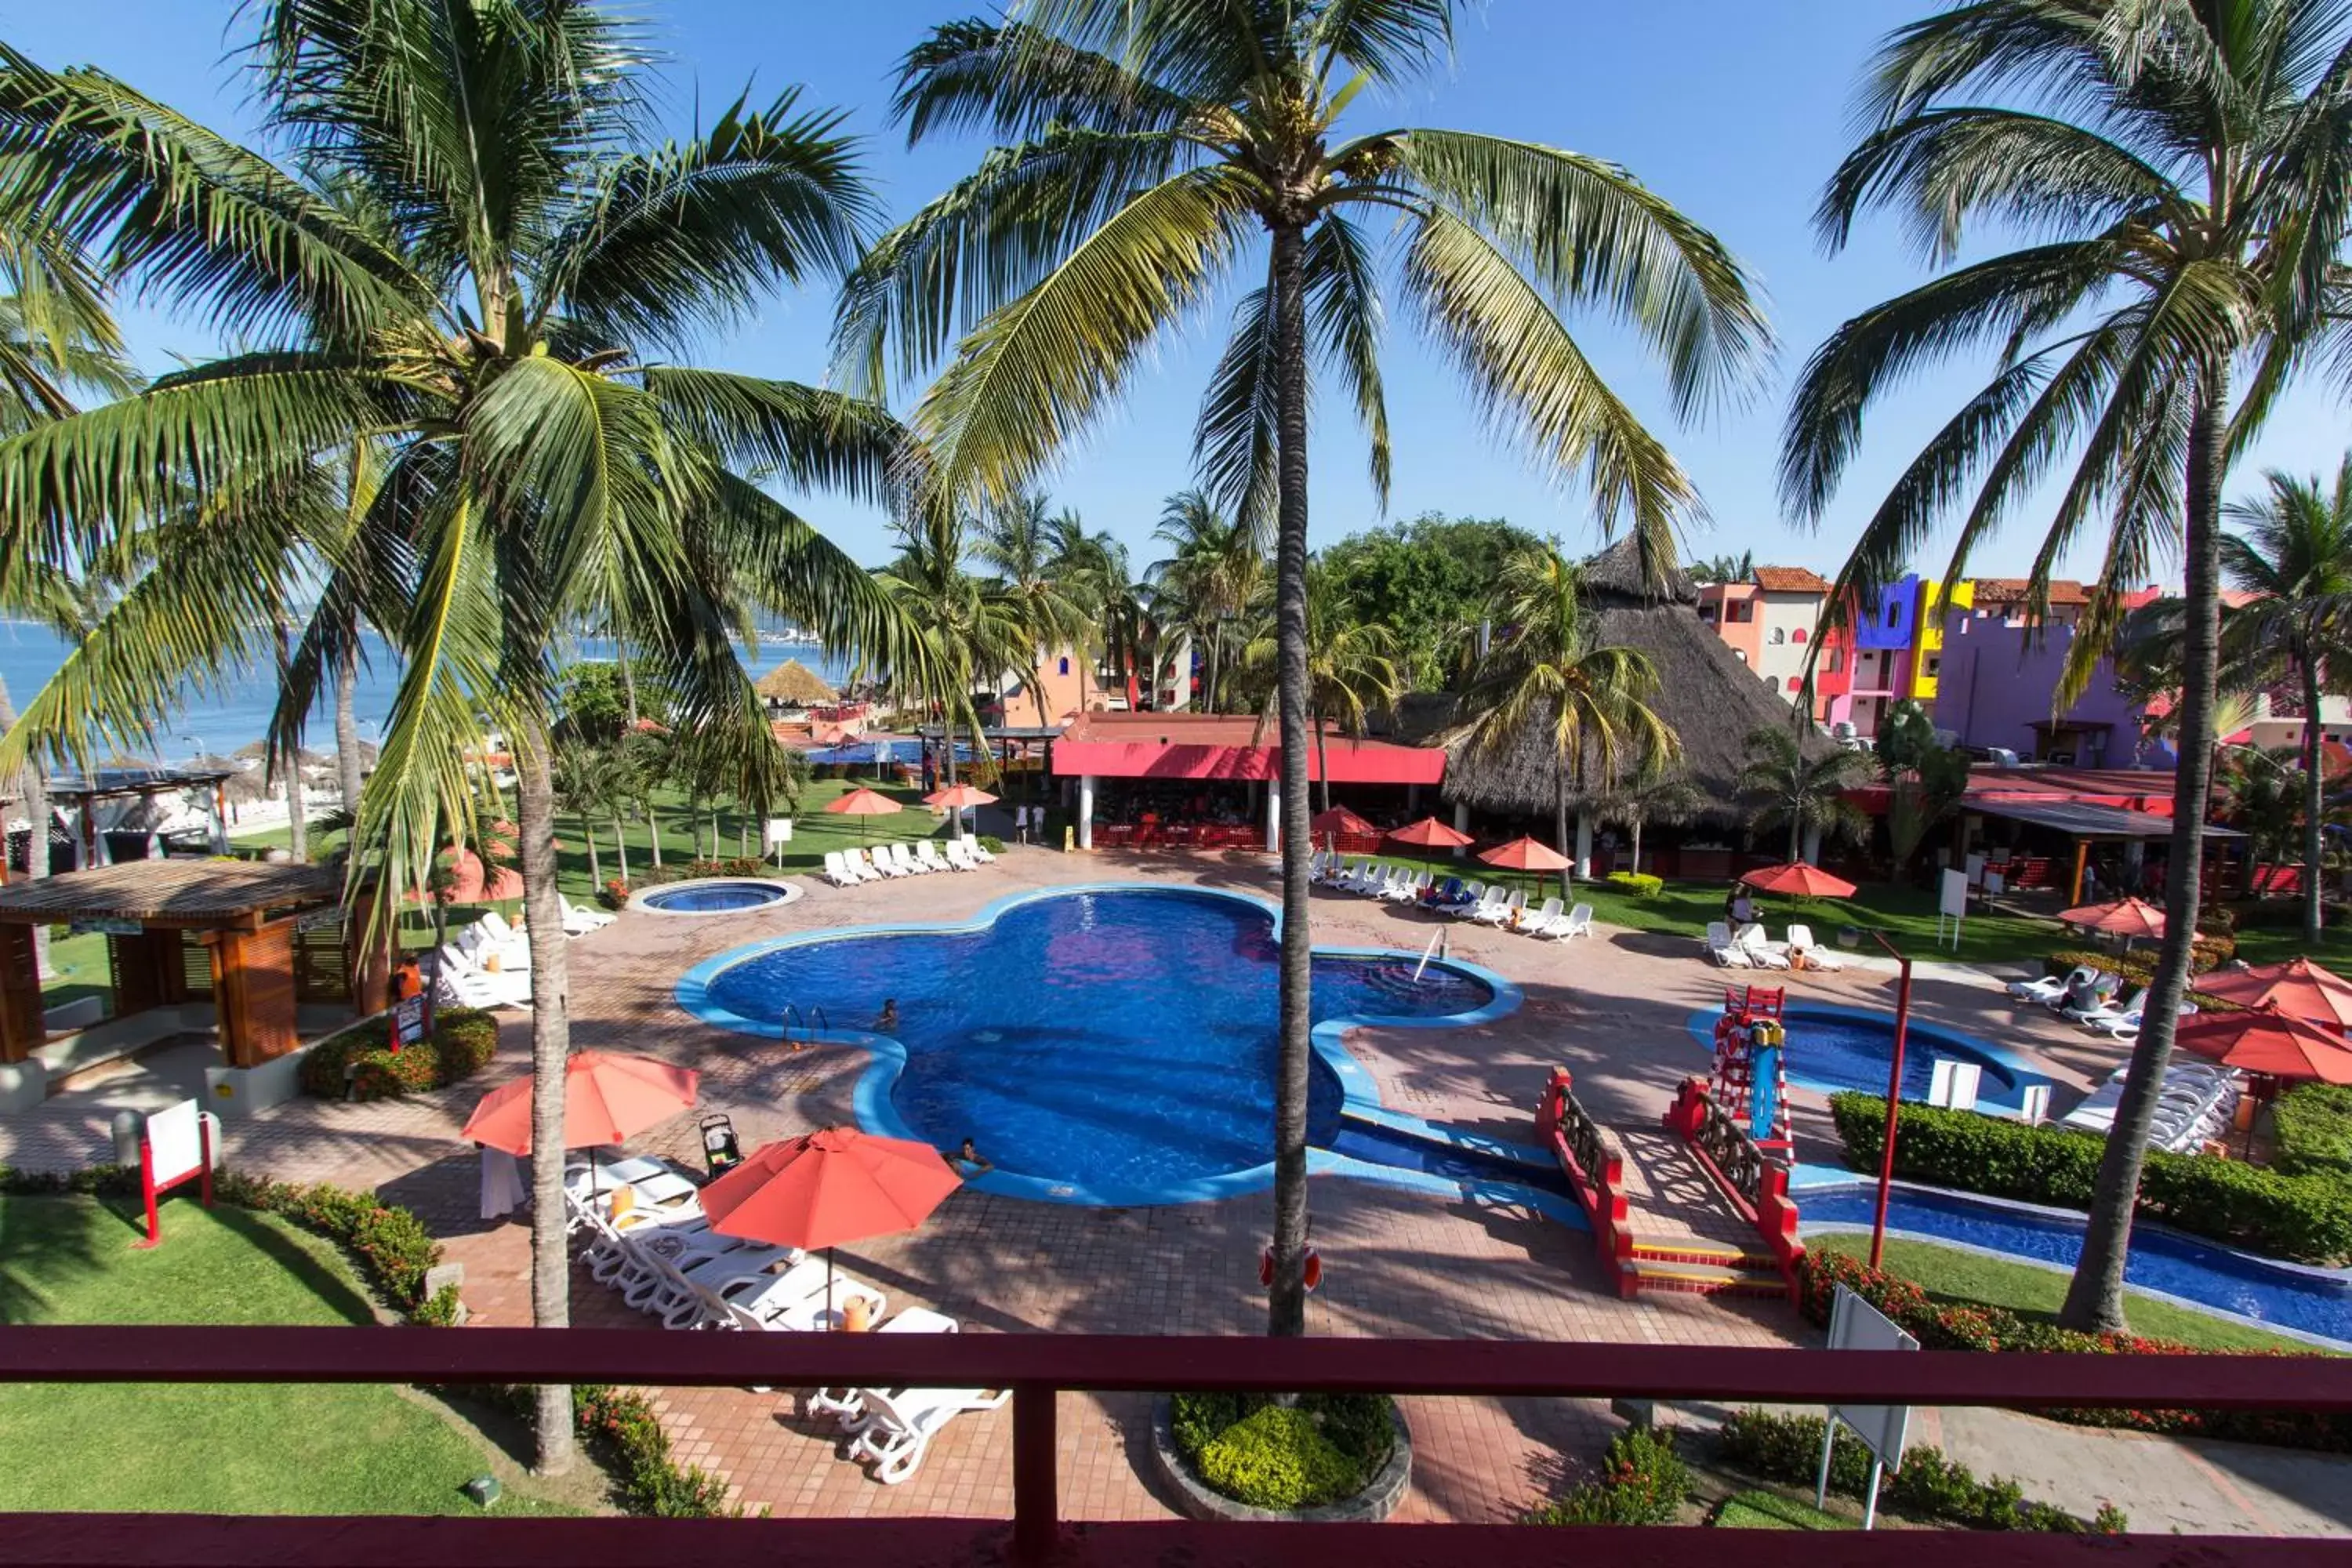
1359	1092
1817	1180
1700	1026
783	893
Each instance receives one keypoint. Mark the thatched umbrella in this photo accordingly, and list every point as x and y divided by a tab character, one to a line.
1707	693
795	685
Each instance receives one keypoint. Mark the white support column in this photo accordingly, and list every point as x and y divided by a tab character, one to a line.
1273	818
1812	846
1086	811
1461	824
1583	846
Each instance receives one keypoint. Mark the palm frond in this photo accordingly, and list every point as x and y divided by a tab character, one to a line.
812	437
1016	82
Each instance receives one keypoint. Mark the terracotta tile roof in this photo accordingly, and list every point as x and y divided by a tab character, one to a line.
1790	579
2013	590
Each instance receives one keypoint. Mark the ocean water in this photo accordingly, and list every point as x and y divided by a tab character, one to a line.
1117	1040
232	714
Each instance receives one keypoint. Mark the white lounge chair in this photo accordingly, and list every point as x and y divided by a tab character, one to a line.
959	857
2103	1010
904	858
928	853
1578	922
1762	951
848	1405
976	849
1513	903
1723	949
1406	887
900	1424
878	857
1801	940
580	921
1540	922
1464	901
837	873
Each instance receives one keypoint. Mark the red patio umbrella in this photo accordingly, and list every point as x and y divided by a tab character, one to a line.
829	1186
2298	988
607	1097
2267	1043
477	884
2130	918
862	801
1338	820
958	798
1796	877
1529	855
1430	832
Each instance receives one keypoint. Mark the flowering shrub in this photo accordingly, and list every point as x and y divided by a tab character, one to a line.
732	865
1641	1481
462	1042
615	893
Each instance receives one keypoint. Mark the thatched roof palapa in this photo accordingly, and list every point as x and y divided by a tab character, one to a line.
795	683
1706	692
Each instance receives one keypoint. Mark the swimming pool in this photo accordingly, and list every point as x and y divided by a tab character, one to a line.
1109	1046
714	896
1831	1050
2305	1301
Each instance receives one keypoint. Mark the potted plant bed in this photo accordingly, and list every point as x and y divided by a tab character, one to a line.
1327	1458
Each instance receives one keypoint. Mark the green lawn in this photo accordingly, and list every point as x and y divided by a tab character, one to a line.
1952	1274
230	1449
1760	1509
2277	945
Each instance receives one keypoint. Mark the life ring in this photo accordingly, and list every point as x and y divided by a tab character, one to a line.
1314	1270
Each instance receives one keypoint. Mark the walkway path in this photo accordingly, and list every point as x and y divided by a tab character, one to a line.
1612	1010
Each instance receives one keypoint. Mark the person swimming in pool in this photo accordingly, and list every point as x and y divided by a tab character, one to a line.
887	1023
970	1161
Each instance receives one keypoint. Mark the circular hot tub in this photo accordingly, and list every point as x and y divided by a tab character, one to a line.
715	896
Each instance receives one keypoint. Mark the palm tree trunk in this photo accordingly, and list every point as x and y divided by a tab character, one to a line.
628	684
1322	756
297	829
33	790
1559	815
2312	904
1637	843
1287	1301
620	847
653	831
348	771
595	872
551	1047
1796	831
2094	1300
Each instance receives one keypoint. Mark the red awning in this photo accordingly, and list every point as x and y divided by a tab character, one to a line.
1218	746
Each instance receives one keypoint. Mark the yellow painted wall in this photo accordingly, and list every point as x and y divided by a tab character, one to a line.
1934	605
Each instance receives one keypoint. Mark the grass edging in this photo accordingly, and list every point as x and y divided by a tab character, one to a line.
391	1250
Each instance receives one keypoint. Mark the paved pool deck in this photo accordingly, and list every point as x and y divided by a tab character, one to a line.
1612	1009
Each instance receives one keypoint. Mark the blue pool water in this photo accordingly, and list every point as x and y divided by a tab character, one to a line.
2309	1302
714	898
1834	1048
1116	1042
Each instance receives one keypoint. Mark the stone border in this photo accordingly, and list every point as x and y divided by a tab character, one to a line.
786	893
1195	1500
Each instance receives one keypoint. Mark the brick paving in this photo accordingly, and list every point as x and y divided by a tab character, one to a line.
1612	1009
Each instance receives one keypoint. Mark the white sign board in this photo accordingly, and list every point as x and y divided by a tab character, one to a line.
1954	901
1976	870
1953	1084
779	831
174	1143
1856	1325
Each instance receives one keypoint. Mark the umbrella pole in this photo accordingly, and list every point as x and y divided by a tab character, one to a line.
832	1317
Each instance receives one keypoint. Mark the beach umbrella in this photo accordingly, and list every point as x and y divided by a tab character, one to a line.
826	1187
959	798
2130	918
2268	1042
477	884
607	1099
1332	825
1430	834
1524	853
862	803
2298	988
1796	877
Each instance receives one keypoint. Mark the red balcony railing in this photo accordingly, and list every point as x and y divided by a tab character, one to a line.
1038	1367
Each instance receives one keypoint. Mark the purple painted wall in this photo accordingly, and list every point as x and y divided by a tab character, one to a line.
1996	682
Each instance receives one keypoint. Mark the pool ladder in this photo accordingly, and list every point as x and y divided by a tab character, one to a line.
1436	948
811	1023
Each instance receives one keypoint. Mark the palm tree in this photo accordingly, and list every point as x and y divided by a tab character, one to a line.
1351	670
1091	571
2294	554
1016	541
1547	666
1802	794
506	349
969	628
1150	142
1215	572
1635	803
2182	172
591	781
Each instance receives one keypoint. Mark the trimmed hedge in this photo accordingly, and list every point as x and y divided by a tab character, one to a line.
2310	1131
463	1041
1929	1486
1640	884
1973	1327
1246	1447
1641	1481
2305	1219
2137	967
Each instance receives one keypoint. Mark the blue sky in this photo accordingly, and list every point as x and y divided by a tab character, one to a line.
1735	111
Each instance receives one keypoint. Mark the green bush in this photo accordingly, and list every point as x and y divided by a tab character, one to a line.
463	1041
2137	967
992	843
619	1424
1929	1486
729	866
2311	1130
1641	1481
2305	1219
1256	1451
1640	884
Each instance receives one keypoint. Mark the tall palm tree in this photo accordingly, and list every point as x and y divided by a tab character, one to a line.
1215	570
1148	143
1664	798
2293	553
2181	171
1015	541
1091	571
505	348
1786	788
1547	667
1351	670
969	628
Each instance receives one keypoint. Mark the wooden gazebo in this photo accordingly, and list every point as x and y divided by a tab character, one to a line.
245	917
